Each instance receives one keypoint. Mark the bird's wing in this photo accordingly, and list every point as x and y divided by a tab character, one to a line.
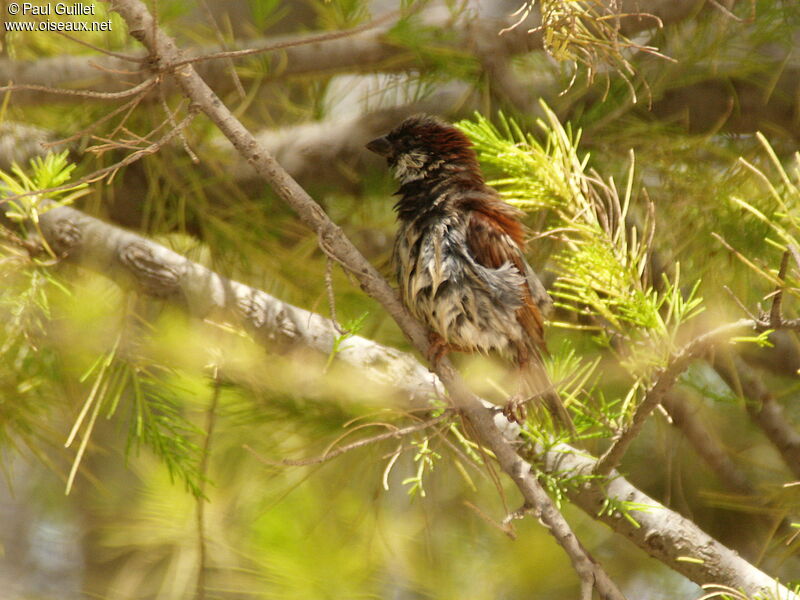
496	237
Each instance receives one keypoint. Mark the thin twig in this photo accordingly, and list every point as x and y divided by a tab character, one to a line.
312	39
331	295
237	82
117	71
130	105
775	313
181	135
80	93
664	381
739	303
128	57
330	455
725	11
211	418
768	276
101	173
505	526
795	255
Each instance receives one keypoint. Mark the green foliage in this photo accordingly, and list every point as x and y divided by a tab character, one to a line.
158	421
339	14
349	328
780	213
560	484
426	458
27	368
615	507
436	48
276	532
266	12
604	265
51	170
27	365
157	418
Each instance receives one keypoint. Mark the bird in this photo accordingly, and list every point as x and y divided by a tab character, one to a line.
459	257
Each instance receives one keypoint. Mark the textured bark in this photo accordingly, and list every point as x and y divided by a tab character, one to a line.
663	533
133	261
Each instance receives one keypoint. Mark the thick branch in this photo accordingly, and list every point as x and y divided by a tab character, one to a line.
102	73
662	533
134	261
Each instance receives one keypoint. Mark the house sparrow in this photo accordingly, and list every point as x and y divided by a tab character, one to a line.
459	256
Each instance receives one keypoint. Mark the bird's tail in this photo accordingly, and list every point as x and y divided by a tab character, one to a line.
537	384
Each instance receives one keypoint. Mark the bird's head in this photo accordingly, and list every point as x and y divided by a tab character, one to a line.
425	147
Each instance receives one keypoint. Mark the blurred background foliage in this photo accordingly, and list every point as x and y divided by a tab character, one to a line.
191	417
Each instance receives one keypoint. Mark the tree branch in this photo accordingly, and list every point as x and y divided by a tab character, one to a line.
663	383
662	533
142	26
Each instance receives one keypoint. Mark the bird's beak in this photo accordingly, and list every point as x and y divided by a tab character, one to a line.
380	146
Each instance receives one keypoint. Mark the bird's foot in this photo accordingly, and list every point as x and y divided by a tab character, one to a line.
437	349
515	410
